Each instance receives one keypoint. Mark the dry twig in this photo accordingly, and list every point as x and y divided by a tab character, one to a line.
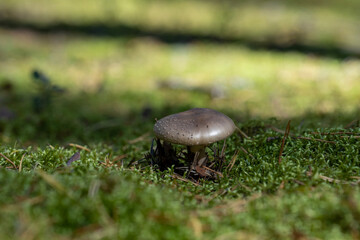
352	123
315	139
7	159
246	152
79	147
332	180
217	173
335	133
177	176
242	133
232	162
20	165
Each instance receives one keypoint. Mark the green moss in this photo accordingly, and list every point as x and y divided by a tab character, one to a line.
312	192
117	85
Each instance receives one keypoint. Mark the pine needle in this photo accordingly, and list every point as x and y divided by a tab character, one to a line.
286	134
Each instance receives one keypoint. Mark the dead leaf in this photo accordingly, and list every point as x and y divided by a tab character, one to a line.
73	158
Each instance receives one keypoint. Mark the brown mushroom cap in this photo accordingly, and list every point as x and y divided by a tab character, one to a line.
197	126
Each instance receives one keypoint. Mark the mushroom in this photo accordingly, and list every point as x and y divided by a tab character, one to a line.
195	128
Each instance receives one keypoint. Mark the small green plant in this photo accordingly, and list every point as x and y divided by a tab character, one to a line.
46	92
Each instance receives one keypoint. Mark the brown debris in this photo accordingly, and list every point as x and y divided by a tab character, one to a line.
164	155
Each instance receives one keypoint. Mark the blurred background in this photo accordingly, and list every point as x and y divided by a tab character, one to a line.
91	70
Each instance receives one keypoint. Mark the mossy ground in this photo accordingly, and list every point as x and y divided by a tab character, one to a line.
78	103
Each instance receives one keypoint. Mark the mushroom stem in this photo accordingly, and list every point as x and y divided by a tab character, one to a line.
200	155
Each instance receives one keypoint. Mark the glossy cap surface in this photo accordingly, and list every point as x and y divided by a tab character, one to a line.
197	126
